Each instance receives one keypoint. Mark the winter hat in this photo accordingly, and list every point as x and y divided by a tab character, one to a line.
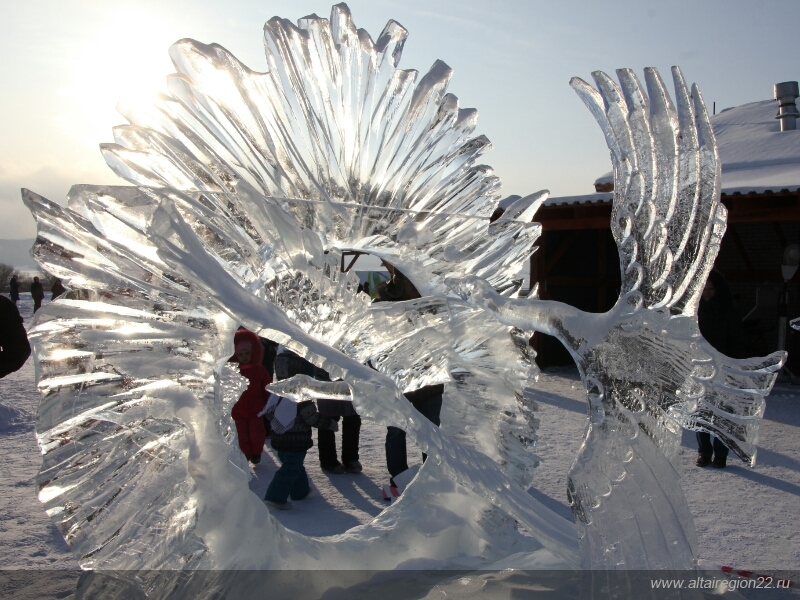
243	345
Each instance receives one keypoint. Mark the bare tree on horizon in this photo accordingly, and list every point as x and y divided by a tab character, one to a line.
6	273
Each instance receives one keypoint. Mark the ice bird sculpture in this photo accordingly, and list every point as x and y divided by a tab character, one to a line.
646	368
247	188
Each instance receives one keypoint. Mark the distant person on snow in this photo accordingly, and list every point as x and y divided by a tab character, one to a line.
56	289
14	346
14	285
37	293
246	411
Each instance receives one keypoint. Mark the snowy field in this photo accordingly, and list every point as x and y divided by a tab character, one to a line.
746	518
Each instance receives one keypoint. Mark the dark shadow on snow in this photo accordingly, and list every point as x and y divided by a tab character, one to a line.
763	479
354	488
782	411
770	458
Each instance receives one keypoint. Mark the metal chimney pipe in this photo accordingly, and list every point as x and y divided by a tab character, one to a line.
786	93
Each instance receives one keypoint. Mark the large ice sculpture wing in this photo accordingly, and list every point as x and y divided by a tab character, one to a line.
115	369
368	156
335	149
249	186
668	222
667	219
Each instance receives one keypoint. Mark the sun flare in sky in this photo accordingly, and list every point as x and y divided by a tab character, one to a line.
125	60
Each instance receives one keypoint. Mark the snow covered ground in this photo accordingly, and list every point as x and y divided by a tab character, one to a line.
747	518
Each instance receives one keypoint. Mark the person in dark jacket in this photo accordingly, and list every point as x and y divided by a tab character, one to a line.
291	437
56	289
13	284
246	412
721	327
427	400
14	346
37	293
351	432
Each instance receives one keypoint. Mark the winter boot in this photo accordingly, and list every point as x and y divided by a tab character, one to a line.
278	505
353	466
335	469
398	484
703	461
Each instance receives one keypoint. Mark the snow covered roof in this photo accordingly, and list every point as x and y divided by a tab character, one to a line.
756	155
607	178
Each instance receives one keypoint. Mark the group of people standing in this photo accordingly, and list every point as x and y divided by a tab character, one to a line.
258	414
37	291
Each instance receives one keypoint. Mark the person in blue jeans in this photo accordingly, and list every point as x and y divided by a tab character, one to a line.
427	400
292	440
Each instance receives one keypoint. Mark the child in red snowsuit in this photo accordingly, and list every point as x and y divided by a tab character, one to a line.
245	413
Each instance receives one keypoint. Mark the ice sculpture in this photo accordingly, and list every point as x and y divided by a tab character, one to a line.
646	368
247	189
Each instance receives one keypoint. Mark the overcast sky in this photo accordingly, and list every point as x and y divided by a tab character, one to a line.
66	63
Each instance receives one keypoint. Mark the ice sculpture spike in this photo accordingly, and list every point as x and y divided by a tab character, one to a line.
247	188
646	368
